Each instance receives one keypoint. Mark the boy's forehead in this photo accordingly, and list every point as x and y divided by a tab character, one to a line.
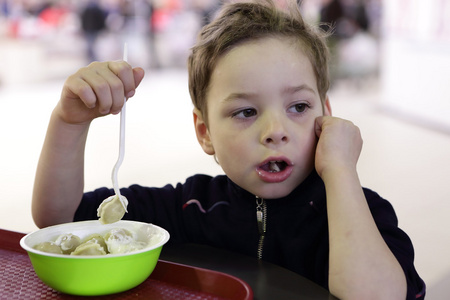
262	64
261	44
273	49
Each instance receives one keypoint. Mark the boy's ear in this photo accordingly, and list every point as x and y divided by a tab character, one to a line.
327	107
202	132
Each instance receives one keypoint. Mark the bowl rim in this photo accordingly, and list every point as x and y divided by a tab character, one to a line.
164	240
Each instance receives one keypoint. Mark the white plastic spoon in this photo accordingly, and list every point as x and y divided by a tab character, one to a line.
113	208
122	199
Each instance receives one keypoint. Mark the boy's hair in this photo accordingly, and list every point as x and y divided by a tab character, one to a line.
241	22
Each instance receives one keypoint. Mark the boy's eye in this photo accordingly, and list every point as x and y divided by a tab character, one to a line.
245	113
298	108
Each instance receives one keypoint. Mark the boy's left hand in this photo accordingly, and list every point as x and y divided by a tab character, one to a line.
339	145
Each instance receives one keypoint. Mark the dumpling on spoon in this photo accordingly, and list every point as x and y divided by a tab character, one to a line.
112	209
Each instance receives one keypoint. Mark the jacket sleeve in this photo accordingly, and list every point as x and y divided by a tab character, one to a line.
398	242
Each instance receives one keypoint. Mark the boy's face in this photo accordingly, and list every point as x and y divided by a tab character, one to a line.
262	105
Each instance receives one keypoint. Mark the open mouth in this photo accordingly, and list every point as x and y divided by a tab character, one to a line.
275	169
274	166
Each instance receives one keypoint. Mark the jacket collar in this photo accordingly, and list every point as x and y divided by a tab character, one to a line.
311	191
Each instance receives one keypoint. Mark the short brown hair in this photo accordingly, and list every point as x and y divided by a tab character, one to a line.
240	22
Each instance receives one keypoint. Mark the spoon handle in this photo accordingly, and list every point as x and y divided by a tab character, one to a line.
121	141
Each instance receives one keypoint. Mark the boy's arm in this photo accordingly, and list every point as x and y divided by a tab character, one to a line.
361	264
59	181
94	91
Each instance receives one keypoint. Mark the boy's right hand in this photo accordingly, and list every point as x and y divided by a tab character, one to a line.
97	90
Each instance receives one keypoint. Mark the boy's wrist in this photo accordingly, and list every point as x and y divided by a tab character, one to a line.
66	131
59	117
337	173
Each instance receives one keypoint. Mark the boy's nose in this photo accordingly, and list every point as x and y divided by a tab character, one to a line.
274	132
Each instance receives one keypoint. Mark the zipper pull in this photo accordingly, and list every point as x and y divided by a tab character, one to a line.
260	215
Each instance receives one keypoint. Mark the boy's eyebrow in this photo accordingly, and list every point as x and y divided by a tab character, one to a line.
295	89
234	96
288	90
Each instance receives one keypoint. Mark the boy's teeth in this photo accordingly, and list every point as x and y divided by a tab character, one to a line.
273	166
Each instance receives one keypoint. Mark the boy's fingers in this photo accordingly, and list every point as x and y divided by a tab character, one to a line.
116	91
104	85
125	73
78	88
129	80
101	87
319	125
89	87
87	95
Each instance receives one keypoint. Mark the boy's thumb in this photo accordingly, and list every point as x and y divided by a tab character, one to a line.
138	74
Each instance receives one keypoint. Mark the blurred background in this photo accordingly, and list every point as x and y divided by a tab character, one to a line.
390	76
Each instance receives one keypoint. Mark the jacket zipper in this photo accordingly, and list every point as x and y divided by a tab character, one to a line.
261	216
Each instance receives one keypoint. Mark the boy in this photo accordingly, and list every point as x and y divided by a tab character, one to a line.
258	78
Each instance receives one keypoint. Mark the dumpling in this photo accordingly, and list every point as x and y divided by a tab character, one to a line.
68	242
120	240
49	247
97	239
89	249
111	210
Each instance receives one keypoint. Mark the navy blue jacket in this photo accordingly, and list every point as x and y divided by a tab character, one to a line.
216	212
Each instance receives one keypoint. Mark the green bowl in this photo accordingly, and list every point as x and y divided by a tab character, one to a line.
99	274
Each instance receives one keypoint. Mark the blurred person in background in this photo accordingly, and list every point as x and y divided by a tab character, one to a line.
175	24
206	9
354	50
93	22
331	15
358	48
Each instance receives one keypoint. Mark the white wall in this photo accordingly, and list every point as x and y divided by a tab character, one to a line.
415	63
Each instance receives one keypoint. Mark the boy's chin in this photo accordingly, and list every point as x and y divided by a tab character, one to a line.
274	193
277	190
